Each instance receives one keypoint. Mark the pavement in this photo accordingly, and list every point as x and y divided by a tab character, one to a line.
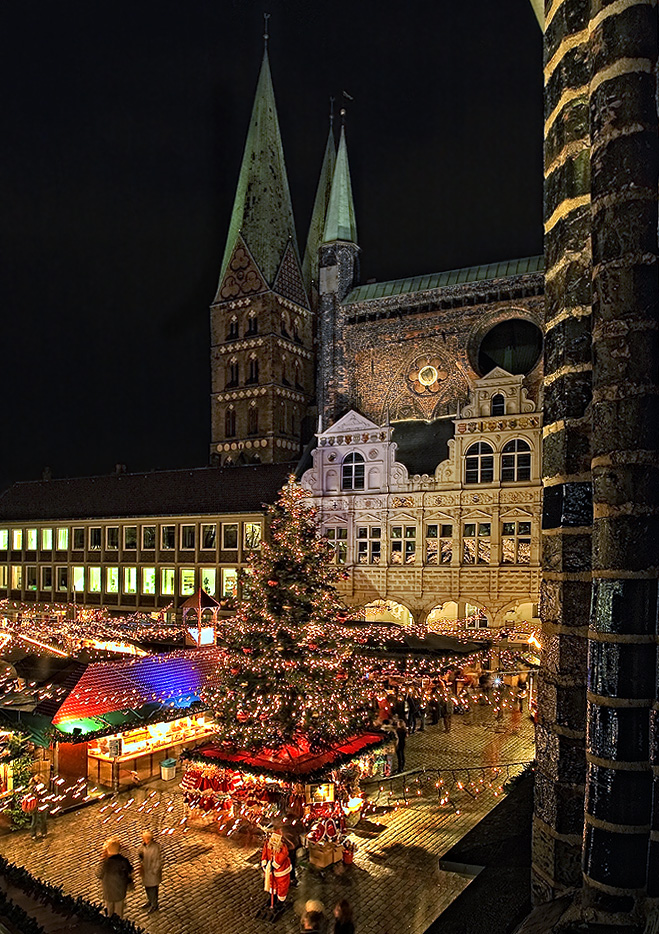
212	883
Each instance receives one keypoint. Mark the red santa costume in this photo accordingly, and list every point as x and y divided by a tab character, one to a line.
276	865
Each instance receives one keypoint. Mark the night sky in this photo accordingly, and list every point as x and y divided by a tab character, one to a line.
124	125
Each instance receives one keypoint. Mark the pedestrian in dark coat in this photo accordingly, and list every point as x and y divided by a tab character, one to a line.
401	733
150	857
116	873
343	923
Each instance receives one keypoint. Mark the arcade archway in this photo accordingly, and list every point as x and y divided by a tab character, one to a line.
388	611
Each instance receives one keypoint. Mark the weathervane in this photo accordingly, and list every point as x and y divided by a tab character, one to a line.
266	17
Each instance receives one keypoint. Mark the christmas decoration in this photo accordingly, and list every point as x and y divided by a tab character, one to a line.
289	672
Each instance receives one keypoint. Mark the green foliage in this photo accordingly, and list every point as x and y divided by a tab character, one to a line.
21	765
290	671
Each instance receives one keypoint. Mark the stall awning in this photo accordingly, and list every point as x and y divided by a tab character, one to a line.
293	762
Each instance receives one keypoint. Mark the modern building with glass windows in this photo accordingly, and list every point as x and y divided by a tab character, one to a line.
133	542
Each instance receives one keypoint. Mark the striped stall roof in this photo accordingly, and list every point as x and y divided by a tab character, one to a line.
512	267
174	680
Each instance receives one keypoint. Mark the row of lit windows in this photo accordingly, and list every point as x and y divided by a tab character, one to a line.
479	465
189	536
126	580
438	545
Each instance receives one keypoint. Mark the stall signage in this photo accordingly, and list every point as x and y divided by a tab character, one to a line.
114	746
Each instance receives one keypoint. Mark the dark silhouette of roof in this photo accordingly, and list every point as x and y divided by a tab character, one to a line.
200	491
422	445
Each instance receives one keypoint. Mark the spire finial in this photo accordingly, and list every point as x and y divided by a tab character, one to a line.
343	116
266	17
331	115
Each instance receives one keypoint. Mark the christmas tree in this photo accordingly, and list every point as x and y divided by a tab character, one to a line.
290	675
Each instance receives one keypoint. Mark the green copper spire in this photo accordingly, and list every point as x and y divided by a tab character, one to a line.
340	222
262	209
319	213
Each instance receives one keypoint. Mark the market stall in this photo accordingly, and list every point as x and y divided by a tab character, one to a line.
320	791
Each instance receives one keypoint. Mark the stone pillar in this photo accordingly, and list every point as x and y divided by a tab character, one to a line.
567	509
622	677
339	272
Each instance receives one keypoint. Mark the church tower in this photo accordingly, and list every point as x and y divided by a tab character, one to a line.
338	274
262	368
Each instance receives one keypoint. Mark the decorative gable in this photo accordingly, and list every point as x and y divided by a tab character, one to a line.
352	421
288	281
242	276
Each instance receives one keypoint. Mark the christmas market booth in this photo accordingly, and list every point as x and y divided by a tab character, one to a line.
317	790
113	723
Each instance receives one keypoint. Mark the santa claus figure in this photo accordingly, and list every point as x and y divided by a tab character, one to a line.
276	866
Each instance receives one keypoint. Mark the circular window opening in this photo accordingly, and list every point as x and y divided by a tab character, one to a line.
514	345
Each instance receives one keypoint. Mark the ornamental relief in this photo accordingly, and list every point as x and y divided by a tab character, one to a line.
518	496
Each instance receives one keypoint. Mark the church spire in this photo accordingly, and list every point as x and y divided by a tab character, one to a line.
340	222
262	210
318	215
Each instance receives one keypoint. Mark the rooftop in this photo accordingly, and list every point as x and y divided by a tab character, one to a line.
200	491
512	267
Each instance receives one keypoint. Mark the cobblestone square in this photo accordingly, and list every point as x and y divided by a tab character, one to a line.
212	884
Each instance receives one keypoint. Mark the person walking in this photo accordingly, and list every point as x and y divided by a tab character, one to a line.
290	831
447	715
116	874
150	857
343	923
401	733
36	806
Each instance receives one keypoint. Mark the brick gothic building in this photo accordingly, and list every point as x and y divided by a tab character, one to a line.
597	787
296	344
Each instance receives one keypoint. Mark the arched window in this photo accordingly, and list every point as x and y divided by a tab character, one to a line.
479	463
253	371
498	404
252	324
515	462
284	371
230	422
352	476
233	329
252	420
232	373
298	375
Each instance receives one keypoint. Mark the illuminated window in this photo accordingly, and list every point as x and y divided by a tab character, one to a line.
187	581
230	422
3	576
369	544
130	537
94	579
498	404
516	543
46	578
229	582
352	472
31	577
188	537
4	539
31	539
479	463
208	536
62	579
476	547
515	462
230	536
167	581
403	544
112	538
130	580
338	542
17	577
252	535
47	539
17	539
62	539
148	537
208	580
112	580
168	537
439	543
78	539
148	580
78	579
95	539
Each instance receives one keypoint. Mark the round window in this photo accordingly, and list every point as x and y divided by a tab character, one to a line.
514	345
